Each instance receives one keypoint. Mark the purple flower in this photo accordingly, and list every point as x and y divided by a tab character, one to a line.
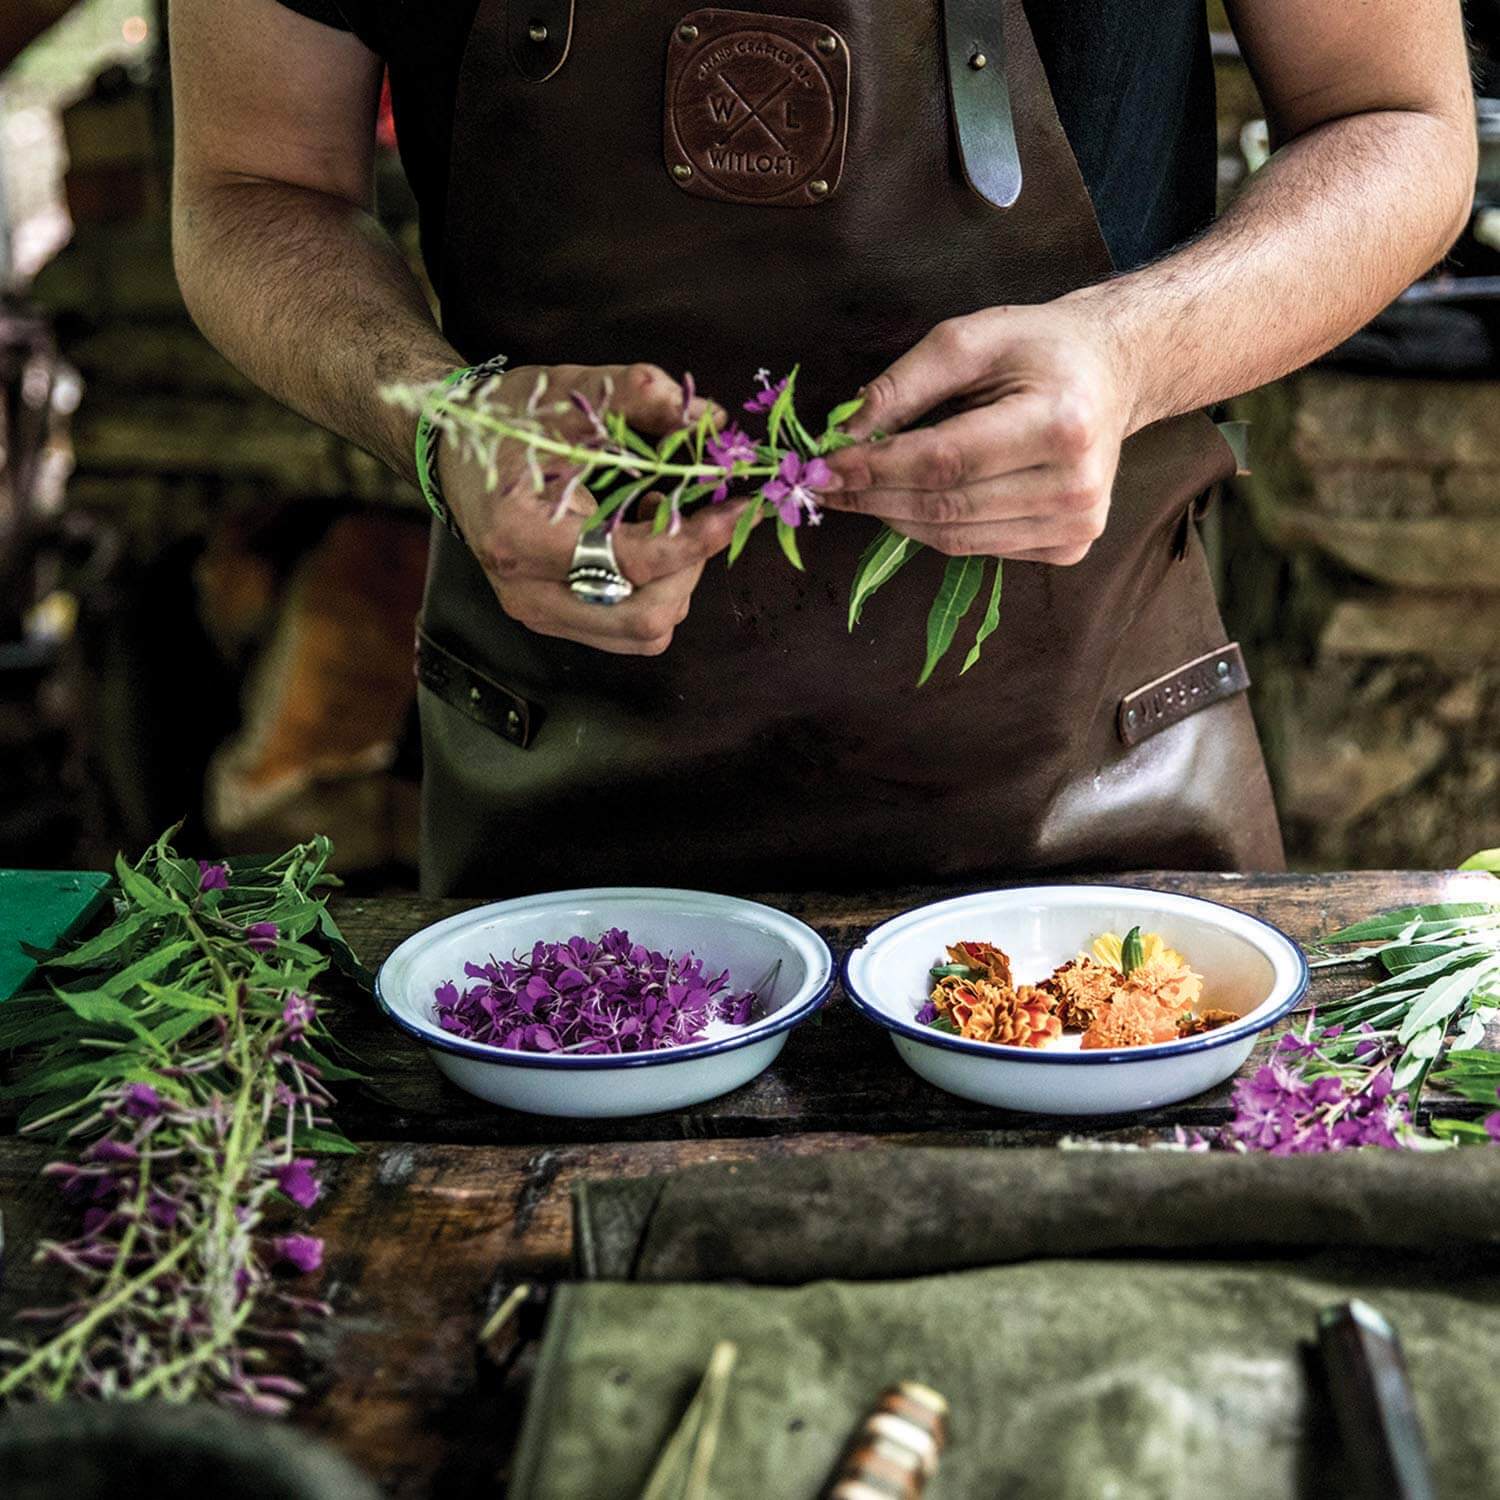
927	1015
1492	1123
1287	1110
296	1180
298	1013
261	936
794	491
140	1101
110	1150
302	1251
765	398
613	995
212	877
726	449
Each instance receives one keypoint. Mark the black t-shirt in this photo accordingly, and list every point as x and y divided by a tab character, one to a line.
1133	81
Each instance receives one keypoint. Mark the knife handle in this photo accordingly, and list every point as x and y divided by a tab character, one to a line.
894	1451
1373	1405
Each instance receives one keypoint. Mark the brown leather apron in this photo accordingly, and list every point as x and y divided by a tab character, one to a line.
594	218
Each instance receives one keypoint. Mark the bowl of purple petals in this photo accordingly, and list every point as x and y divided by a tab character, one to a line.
608	1002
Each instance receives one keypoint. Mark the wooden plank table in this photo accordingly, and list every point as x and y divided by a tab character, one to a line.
451	1201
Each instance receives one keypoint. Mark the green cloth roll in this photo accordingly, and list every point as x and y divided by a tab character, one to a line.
920	1210
1068	1379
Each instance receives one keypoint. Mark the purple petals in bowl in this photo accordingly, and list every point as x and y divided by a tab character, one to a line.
609	996
699	1031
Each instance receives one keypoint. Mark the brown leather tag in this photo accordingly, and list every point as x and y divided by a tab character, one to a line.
1207	679
757	108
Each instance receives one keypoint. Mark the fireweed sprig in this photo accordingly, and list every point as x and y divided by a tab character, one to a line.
695	463
177	1055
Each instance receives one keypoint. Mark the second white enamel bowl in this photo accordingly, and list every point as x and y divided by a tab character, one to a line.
1247	965
754	943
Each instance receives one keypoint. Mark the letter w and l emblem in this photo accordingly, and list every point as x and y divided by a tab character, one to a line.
734	111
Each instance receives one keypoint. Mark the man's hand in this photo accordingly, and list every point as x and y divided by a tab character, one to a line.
526	553
1024	470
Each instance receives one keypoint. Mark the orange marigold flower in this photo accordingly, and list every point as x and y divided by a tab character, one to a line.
994	961
1081	988
1134	1018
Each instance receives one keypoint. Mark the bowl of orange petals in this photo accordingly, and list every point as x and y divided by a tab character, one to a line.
1075	1000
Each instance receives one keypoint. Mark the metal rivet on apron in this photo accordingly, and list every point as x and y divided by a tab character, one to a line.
1131	715
978	60
817	187
513	722
537	32
681	171
1222	669
475	695
828	44
687	33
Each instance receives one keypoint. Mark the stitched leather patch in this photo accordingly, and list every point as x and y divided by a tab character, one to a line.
757	108
479	697
1207	679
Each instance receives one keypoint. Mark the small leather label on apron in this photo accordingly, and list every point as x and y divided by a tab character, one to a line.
757	108
1205	680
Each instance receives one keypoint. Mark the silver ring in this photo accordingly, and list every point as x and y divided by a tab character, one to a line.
595	575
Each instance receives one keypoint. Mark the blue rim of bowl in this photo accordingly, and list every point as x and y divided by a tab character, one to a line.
1225	1036
784	1020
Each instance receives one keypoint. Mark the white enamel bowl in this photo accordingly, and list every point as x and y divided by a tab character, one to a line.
749	940
1247	965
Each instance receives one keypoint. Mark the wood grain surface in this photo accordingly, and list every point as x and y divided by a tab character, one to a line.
451	1202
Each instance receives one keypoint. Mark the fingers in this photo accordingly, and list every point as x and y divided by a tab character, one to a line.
644	558
1049	538
650	400
1016	433
641	626
940	366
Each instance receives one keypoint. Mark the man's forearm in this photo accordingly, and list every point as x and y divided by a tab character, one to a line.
305	293
1333	228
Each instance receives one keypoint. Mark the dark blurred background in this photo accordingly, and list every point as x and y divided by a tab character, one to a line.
206	604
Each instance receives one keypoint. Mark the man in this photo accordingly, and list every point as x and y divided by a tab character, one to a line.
989	222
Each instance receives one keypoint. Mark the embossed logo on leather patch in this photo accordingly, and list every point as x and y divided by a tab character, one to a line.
756	108
1206	679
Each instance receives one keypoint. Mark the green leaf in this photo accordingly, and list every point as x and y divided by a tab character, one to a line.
619	429
960	584
1441	1001
787	536
1397	960
1486	859
1132	952
955	971
672	442
990	621
1473	1074
879	563
781	408
147	967
324	1142
1390	924
332	1072
618	499
944	1024
145	893
345	960
744	526
663	517
1472	1033
836	419
1464	1132
114	936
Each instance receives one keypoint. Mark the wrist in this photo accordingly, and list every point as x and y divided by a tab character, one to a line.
1124	344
